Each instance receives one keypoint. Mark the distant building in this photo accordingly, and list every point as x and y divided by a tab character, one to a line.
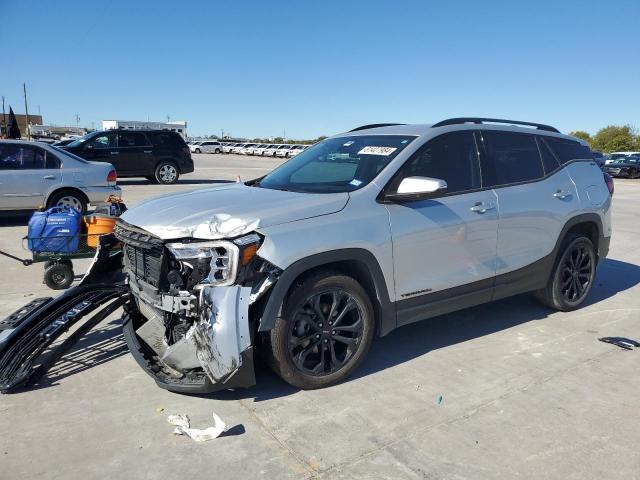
180	127
22	122
55	131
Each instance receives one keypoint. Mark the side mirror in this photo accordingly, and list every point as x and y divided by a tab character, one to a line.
416	188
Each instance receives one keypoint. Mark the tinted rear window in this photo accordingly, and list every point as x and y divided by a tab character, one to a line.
166	139
549	160
512	158
567	150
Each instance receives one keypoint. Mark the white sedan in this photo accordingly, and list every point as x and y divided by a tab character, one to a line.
34	175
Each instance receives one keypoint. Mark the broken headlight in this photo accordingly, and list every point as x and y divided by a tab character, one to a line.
223	257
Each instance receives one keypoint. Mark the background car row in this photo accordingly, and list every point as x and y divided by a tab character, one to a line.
260	149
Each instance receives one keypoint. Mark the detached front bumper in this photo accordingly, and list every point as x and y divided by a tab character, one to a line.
214	354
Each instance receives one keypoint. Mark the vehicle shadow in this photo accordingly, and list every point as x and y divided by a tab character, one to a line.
417	339
181	181
15	219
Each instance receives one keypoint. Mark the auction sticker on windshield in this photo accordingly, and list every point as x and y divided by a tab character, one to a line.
384	151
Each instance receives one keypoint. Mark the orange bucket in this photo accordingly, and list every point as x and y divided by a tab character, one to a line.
98	226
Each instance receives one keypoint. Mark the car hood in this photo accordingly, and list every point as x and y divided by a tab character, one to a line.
228	211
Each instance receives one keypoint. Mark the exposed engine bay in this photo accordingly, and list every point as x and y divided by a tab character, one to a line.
188	318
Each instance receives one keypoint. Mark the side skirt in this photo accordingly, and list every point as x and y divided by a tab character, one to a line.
526	279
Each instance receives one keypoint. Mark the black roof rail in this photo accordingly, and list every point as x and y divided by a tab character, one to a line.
456	121
375	125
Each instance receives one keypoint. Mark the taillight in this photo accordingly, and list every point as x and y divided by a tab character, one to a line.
112	177
608	179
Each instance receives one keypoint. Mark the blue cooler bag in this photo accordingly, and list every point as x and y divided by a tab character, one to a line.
55	230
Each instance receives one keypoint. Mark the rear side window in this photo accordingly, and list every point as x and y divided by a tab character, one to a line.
511	158
132	139
549	161
452	157
567	150
167	139
51	161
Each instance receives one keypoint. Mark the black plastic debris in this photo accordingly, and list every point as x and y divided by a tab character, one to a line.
621	342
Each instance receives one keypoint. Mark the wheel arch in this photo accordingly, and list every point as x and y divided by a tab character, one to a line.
587	224
357	263
64	188
167	159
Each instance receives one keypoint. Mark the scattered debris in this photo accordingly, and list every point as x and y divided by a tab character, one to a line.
440	399
183	428
621	342
159	409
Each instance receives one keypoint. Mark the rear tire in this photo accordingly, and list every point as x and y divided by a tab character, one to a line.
572	276
327	329
167	173
59	275
68	198
197	150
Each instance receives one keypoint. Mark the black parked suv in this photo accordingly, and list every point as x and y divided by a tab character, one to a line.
158	155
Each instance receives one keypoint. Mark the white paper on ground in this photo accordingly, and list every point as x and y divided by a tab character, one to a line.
183	428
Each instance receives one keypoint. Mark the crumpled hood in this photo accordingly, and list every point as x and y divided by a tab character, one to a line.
228	211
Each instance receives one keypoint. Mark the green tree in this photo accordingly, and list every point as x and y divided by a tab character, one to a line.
615	138
581	134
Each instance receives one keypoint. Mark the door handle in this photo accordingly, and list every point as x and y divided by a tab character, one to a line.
561	194
148	151
49	177
481	207
114	153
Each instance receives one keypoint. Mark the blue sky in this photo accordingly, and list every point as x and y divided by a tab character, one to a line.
320	67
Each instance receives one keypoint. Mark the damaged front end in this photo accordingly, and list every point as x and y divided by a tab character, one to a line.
188	310
189	322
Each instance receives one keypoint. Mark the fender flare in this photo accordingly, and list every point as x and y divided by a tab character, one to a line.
602	247
385	309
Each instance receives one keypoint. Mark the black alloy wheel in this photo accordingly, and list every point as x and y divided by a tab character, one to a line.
325	332
576	273
573	275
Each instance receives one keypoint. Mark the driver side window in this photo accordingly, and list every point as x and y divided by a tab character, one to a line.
452	157
107	140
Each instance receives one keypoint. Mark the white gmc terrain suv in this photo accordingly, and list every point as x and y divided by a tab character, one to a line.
357	235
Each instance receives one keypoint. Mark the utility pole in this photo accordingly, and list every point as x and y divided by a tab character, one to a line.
26	110
77	122
221	130
168	118
4	117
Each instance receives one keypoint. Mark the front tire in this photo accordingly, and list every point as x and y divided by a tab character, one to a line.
326	331
167	173
572	276
198	150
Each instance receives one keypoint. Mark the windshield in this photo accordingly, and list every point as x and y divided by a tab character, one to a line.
336	164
